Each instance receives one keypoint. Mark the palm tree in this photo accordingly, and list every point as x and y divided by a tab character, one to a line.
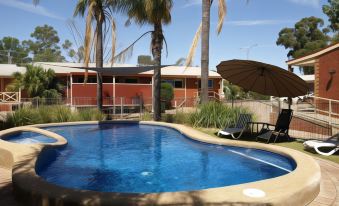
155	13
37	82
204	31
101	12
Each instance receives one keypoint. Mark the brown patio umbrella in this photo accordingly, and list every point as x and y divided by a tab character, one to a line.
262	78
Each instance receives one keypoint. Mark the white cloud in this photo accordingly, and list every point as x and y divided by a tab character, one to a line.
29	7
314	3
257	22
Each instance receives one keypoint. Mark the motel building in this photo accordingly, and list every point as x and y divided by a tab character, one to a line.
325	81
130	87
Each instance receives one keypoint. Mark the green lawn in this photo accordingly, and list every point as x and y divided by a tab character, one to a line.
296	145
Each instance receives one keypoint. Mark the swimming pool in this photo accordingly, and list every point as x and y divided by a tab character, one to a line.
141	158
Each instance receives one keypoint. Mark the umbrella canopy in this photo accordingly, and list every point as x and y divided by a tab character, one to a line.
262	78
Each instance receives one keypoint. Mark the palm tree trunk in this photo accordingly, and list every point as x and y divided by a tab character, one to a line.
205	33
157	40
99	63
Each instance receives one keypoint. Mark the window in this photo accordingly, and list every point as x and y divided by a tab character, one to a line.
210	84
81	79
131	81
176	83
126	80
107	79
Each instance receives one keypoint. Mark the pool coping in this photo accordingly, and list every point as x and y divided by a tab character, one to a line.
299	187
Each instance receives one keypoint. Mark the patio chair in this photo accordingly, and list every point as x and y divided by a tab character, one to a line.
331	143
280	128
239	128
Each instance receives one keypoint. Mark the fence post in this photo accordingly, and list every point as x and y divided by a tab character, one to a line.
121	107
140	105
330	112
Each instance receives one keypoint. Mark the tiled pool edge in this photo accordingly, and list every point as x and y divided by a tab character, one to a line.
297	188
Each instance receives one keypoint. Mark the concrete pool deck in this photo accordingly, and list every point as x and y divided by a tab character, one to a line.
299	187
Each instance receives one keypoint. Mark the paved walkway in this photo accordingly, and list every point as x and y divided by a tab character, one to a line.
328	196
329	186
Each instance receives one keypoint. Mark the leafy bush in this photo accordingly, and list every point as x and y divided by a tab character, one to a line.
167	95
215	115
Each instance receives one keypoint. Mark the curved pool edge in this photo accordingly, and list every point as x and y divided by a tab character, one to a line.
13	152
299	187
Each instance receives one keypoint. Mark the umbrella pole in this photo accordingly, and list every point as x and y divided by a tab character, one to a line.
289	102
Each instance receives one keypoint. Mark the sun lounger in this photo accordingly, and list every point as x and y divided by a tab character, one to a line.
331	143
239	128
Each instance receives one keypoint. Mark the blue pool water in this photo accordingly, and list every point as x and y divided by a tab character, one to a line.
133	158
28	138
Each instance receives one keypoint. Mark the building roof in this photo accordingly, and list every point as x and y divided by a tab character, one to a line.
182	71
309	60
6	70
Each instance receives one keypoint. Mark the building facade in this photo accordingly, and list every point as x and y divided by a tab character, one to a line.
130	88
326	78
326	70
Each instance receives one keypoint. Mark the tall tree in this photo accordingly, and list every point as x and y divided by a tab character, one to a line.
155	13
99	11
332	11
12	51
204	32
44	45
306	37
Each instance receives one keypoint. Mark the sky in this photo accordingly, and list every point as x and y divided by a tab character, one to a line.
253	25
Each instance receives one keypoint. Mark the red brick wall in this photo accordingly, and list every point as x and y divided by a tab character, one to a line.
85	94
327	62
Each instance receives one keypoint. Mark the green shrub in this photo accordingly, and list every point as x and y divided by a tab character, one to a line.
90	114
48	114
62	114
181	118
167	95
146	116
21	117
215	115
45	114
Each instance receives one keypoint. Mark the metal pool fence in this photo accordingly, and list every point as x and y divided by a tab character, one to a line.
313	117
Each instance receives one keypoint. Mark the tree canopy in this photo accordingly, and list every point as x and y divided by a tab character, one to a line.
306	37
18	53
44	45
332	11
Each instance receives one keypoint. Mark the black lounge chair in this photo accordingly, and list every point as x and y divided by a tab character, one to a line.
280	128
239	128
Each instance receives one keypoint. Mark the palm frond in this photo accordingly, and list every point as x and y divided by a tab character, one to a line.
193	48
221	15
128	52
114	40
88	38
